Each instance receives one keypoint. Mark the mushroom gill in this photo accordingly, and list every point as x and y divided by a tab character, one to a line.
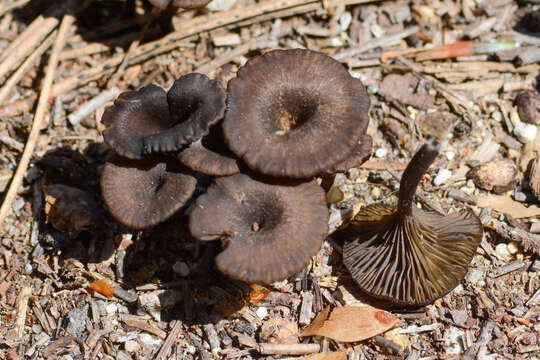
407	255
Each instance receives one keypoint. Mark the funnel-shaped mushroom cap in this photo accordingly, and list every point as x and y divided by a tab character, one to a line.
152	121
210	156
140	194
407	255
360	155
184	4
270	231
294	113
412	260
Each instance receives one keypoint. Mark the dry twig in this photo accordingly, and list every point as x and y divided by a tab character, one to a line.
39	115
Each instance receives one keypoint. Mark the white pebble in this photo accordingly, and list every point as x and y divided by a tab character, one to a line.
450	155
220	5
381	152
497	116
148	339
28	268
111	308
452	339
442	176
345	21
525	132
262	312
501	251
131	346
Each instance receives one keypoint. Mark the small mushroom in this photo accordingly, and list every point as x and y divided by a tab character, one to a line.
209	155
407	255
143	193
183	4
360	155
151	121
269	231
283	122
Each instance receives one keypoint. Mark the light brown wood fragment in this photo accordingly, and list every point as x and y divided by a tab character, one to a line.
25	66
22	308
288	349
143	324
39	115
171	339
27	46
534	177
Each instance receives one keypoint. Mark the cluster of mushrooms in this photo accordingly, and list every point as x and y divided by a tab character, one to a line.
287	117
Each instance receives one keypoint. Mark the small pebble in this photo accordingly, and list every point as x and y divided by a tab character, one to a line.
381	152
450	155
18	205
372	88
497	116
513	247
28	268
498	176
111	308
220	5
452	338
345	21
36	329
520	196
149	340
181	268
131	346
262	312
525	132
442	176
502	253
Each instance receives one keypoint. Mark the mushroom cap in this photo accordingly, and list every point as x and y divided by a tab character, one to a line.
270	231
135	115
283	122
209	155
151	121
142	193
360	155
410	260
184	4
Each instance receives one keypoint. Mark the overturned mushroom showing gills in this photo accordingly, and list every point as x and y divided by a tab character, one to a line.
151	121
143	193
281	121
407	255
269	231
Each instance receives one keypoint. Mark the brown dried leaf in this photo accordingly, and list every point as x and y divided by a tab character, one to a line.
340	355
505	204
351	323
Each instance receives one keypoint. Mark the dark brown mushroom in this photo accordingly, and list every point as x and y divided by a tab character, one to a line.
269	231
151	121
143	193
407	255
283	122
209	155
183	4
360	154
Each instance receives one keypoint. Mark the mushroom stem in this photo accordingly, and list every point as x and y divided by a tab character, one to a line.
412	175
